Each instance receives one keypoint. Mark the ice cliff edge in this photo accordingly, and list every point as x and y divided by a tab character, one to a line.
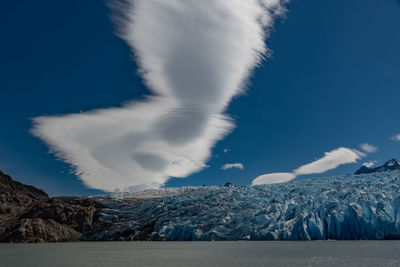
350	207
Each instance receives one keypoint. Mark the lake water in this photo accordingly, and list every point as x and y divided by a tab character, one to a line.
275	253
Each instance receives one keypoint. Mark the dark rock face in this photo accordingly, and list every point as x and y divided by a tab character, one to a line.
78	217
391	165
38	230
27	214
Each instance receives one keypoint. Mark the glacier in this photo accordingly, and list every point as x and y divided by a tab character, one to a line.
350	207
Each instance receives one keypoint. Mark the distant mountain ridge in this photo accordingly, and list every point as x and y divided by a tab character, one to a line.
391	165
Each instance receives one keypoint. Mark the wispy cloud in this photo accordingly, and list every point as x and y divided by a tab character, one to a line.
368	148
331	160
194	56
232	166
396	137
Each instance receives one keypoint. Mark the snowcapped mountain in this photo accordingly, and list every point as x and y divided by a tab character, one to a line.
391	165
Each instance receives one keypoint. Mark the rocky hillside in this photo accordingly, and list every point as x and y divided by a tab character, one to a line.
27	214
15	198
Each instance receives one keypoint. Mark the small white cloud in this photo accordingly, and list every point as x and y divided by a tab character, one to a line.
396	138
331	160
273	178
232	166
226	150
368	148
369	164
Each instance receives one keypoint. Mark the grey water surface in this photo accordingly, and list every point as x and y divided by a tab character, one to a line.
242	253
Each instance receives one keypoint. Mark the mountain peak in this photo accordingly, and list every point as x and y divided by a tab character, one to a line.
392	162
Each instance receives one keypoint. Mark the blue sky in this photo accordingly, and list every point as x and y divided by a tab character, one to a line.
332	81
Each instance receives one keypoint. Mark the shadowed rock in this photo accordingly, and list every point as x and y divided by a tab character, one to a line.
38	231
27	214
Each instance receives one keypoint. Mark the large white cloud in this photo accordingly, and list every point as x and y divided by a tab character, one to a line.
194	56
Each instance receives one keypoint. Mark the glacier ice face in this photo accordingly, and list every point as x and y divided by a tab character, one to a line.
350	207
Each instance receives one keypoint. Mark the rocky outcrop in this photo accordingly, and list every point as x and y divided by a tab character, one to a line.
27	214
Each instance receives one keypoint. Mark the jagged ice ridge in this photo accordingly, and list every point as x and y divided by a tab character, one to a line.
350	207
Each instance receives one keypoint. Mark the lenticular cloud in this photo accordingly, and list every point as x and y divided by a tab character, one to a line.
194	56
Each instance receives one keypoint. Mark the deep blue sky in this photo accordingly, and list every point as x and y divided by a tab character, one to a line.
333	80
